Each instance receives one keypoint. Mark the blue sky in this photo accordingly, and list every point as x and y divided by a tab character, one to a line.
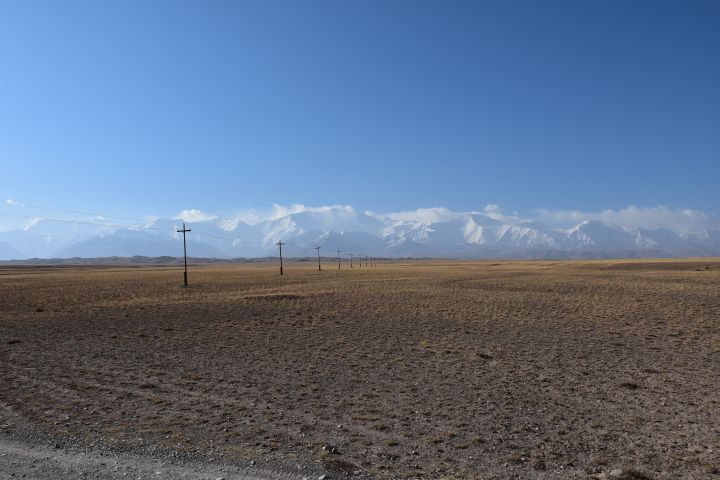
134	108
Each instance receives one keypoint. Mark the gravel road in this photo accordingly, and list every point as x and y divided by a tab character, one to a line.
26	453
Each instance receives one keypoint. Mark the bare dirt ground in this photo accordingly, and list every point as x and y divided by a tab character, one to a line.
477	370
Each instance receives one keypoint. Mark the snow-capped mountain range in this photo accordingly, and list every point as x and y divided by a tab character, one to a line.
438	233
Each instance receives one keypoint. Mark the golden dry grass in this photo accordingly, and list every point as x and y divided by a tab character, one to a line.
435	369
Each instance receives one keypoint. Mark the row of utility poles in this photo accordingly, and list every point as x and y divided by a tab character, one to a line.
280	243
372	260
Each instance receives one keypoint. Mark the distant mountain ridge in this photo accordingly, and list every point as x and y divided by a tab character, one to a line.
449	234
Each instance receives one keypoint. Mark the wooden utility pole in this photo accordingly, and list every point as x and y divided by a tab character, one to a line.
318	250
350	259
280	243
183	231
338	259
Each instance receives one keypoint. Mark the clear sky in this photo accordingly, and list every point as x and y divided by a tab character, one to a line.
151	107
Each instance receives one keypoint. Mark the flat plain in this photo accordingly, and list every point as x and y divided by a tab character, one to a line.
403	370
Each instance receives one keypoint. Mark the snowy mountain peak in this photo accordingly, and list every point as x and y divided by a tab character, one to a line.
426	232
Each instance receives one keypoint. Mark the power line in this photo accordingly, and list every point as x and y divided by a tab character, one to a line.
184	230
120	225
77	222
77	212
89	222
68	221
217	236
223	237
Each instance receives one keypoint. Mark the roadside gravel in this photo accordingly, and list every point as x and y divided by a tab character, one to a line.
29	454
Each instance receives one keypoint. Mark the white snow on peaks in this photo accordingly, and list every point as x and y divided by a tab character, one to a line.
426	216
489	232
194	215
659	216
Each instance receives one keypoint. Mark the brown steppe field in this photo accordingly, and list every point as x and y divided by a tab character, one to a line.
477	370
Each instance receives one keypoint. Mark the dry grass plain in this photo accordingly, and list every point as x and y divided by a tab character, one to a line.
434	370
